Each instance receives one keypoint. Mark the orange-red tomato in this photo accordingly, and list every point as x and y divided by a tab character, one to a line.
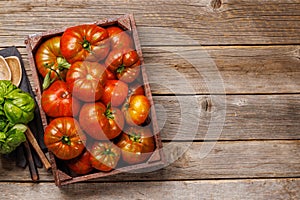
64	138
81	164
57	101
105	156
110	75
48	58
101	122
115	92
119	38
137	144
136	110
125	63
85	42
86	80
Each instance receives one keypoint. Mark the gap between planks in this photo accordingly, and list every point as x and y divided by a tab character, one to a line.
157	180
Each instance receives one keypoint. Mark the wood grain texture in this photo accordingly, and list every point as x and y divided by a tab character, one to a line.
198	160
231	190
198	70
248	50
234	117
231	22
211	70
243	70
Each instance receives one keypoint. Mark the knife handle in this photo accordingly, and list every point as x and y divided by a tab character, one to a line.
37	148
32	168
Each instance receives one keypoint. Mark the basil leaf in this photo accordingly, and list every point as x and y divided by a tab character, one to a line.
19	107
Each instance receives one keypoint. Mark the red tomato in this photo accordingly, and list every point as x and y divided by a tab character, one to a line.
110	75
82	164
119	38
86	80
105	156
64	138
137	144
136	110
115	92
48	58
57	101
125	63
101	122
84	42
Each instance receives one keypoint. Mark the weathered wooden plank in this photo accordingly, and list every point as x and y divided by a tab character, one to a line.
234	117
222	189
170	22
227	70
194	161
211	70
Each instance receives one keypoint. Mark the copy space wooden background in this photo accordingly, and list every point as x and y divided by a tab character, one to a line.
255	45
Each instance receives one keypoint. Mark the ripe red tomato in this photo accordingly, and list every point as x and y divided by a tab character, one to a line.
136	110
115	92
85	42
110	75
86	80
125	63
105	156
101	122
48	58
57	101
64	138
81	164
137	144
119	38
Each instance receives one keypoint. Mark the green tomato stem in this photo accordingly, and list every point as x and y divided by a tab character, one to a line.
120	69
135	137
66	140
110	116
86	45
62	63
108	152
109	113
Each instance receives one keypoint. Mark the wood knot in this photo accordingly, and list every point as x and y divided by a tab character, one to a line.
297	54
206	105
216	4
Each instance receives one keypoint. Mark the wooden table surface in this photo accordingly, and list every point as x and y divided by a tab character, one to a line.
239	60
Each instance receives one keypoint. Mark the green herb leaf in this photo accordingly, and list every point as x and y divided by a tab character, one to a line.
47	81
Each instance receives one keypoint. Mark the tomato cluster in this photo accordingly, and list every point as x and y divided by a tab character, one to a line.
95	103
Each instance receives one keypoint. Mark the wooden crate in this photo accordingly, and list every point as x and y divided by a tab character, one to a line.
156	160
